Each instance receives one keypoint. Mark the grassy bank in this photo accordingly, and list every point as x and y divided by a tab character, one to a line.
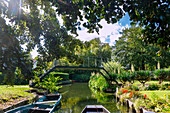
12	95
161	94
8	86
150	82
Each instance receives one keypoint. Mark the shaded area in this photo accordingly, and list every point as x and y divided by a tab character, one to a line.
76	96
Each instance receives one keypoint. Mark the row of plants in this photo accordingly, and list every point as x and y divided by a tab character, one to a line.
97	81
143	76
151	103
149	87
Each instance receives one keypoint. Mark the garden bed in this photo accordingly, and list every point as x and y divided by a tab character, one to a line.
146	97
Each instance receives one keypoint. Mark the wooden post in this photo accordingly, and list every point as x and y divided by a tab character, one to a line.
95	62
132	68
101	61
55	63
59	62
158	65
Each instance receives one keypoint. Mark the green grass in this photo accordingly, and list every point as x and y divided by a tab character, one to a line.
5	86
161	94
150	82
14	93
60	73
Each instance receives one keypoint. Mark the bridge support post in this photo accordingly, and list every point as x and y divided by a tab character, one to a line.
95	63
55	63
101	61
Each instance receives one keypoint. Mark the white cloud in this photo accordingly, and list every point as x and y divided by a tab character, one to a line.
109	33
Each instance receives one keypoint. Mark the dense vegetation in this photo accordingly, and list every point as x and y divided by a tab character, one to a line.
35	25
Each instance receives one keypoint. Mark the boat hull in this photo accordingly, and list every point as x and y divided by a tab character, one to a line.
95	109
43	105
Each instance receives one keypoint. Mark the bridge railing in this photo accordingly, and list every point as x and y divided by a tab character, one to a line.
84	61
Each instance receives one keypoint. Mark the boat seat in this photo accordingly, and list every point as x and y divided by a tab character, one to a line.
34	110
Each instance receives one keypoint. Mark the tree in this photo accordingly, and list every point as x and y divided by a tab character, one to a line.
152	14
29	28
130	49
35	21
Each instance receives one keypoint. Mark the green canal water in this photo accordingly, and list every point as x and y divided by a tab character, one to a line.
76	96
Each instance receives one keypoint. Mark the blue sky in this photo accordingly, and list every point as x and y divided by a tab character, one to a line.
109	33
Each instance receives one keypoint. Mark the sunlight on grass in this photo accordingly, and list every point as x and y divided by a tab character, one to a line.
7	94
5	86
150	82
161	94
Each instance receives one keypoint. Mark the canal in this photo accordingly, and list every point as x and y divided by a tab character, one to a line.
77	95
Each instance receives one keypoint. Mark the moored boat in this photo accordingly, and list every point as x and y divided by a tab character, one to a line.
95	109
46	104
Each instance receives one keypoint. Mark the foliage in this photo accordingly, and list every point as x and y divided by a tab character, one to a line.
153	87
161	74
98	82
65	76
32	22
147	100
144	12
130	49
139	103
12	94
112	69
134	87
81	77
124	77
50	83
143	76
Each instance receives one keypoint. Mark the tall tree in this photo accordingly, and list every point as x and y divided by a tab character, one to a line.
130	49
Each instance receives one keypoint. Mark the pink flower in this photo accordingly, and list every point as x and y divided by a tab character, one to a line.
167	100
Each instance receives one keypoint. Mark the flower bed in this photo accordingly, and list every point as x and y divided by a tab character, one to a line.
153	102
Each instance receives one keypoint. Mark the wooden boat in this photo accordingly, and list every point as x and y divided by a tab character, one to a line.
46	104
95	109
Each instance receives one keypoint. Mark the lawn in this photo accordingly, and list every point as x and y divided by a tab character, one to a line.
7	86
161	94
12	95
150	82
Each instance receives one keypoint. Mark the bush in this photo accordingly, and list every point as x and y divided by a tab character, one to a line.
135	88
153	87
124	77
81	77
143	76
98	82
50	83
161	74
65	76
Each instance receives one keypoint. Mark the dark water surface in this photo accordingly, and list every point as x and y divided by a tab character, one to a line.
76	96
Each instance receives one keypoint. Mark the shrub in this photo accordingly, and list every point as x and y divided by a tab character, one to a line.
143	76
81	77
97	81
153	87
124	77
50	83
135	88
161	74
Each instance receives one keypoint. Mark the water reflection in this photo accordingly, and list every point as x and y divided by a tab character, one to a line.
76	96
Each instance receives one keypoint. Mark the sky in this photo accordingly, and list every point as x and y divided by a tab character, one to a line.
108	34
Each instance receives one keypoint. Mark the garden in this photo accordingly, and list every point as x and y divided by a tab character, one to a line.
149	90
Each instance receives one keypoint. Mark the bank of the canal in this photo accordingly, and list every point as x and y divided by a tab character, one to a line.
76	96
